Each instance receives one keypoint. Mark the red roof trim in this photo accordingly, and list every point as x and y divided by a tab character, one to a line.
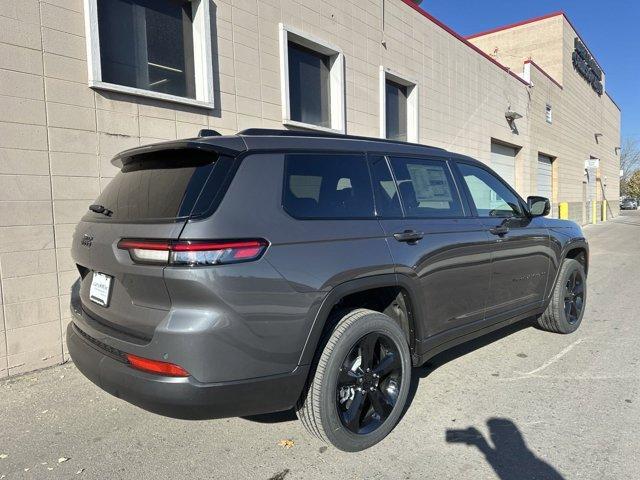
532	20
517	24
462	39
613	101
543	72
491	59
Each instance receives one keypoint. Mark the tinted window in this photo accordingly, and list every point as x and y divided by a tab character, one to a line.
309	86
396	111
148	44
426	188
490	195
327	186
162	187
384	189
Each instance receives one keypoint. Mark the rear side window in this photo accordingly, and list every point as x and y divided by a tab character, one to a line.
159	186
427	189
327	186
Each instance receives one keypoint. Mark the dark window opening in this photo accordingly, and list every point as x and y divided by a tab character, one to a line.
309	86
396	111
148	44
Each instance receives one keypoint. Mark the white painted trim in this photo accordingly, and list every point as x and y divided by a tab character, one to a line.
201	50
413	102
284	73
336	78
382	100
93	40
526	73
140	92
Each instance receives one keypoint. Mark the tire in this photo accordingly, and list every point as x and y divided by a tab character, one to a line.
568	301
339	385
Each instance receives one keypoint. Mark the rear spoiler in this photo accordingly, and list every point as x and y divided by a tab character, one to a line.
230	145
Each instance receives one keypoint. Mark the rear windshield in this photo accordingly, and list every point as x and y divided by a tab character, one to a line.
159	186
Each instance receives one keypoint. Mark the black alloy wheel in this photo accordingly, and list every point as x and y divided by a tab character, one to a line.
574	297
369	383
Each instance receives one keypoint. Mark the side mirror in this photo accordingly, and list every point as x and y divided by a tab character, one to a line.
538	206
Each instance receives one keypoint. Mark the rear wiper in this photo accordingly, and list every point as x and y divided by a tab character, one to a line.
100	209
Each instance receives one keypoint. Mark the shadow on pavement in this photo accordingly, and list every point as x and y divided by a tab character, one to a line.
278	417
509	456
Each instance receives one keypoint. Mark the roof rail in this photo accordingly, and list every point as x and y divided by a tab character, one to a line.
272	132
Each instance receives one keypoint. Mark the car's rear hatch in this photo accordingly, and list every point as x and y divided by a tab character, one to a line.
157	190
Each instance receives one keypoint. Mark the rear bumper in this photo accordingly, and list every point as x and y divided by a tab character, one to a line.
184	397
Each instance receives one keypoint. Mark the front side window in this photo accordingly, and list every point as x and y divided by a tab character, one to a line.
490	195
309	86
327	186
396	111
427	189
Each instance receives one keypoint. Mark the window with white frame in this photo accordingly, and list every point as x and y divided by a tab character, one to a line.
398	107
548	113
155	48
312	82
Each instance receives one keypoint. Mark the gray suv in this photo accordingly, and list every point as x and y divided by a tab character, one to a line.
239	275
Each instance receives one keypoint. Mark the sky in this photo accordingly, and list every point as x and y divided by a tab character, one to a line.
609	29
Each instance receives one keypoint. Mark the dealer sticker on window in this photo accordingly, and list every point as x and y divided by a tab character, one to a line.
100	289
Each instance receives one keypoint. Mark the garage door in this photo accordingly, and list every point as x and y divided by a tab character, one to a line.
503	161
545	188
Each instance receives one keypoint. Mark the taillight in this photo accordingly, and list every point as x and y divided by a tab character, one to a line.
156	366
193	253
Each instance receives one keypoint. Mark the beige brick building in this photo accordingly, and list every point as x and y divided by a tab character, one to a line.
72	93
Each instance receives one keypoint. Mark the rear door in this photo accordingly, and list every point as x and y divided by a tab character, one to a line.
433	239
150	198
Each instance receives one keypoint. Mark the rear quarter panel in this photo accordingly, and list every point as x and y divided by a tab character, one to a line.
271	305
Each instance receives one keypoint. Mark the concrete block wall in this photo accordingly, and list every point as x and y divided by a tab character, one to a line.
57	135
578	112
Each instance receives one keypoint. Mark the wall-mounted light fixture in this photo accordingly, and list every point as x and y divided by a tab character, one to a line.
597	135
511	117
617	150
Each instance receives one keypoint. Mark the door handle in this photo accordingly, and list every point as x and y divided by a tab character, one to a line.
499	230
408	236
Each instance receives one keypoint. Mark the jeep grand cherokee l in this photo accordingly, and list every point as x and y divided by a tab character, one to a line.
246	274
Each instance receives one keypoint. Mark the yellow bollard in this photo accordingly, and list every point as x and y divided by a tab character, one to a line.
594	212
563	210
604	210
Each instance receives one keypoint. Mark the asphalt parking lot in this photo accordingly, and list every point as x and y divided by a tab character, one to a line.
523	404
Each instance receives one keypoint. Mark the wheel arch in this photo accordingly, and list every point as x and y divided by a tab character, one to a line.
577	249
397	292
579	253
